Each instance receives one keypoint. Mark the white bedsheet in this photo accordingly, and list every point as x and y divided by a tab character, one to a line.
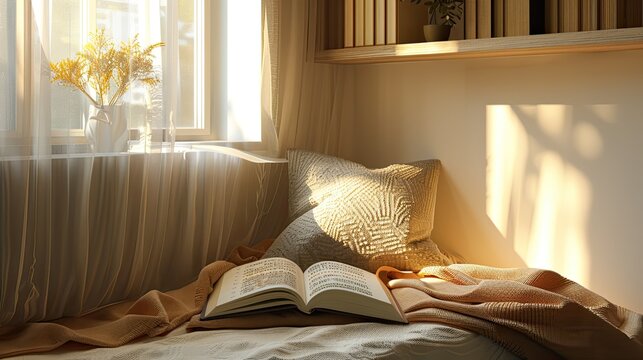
353	341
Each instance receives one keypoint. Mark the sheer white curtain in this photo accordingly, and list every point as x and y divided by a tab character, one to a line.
306	98
49	119
80	229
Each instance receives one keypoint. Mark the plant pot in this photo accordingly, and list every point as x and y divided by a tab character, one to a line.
106	129
437	32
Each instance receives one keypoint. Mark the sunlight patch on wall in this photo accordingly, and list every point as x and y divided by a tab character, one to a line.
540	248
575	206
587	140
605	112
552	120
558	237
506	152
536	195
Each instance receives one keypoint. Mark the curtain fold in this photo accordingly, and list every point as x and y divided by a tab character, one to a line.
79	231
307	97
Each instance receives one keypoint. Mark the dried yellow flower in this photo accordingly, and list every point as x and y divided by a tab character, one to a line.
100	65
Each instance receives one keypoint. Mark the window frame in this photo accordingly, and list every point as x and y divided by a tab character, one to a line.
212	129
20	132
202	84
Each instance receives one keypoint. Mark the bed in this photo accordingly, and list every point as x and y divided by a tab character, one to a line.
350	341
379	220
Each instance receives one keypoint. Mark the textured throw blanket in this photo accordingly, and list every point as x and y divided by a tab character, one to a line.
534	313
153	314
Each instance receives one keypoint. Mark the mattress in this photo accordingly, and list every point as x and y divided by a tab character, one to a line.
353	341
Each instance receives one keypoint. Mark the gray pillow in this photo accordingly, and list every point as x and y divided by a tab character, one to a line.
342	211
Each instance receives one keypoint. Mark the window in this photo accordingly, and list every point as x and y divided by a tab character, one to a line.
210	67
243	70
7	66
66	36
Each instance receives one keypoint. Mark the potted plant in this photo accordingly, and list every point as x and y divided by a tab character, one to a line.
104	73
443	14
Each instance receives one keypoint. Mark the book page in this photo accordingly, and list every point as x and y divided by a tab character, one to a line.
331	275
258	276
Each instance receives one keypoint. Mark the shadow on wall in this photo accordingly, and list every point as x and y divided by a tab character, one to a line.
538	192
553	175
457	217
541	158
561	192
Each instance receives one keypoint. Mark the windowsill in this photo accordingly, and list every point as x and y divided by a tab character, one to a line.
80	151
255	157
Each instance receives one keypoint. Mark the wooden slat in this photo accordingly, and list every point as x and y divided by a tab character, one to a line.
568	12
380	22
369	22
349	23
607	14
551	16
483	20
498	18
330	24
586	41
470	15
359	23
391	21
589	15
516	18
629	13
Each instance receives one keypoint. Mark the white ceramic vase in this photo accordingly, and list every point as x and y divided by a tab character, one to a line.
106	128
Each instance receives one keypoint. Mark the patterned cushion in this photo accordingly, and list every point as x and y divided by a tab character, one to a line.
345	212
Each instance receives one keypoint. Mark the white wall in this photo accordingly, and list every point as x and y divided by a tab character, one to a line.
542	157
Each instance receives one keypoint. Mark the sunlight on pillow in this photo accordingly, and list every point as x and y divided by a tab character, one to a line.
342	211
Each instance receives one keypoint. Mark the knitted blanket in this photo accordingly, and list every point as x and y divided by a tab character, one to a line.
533	313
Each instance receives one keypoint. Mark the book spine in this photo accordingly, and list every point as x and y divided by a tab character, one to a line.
628	13
332	36
391	21
359	22
517	15
568	15
349	36
607	14
369	22
483	19
589	15
524	17
499	18
323	23
470	15
551	16
380	22
535	17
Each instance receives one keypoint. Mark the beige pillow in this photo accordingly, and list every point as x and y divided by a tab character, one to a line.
345	212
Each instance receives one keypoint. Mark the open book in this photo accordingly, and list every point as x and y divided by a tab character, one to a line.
276	283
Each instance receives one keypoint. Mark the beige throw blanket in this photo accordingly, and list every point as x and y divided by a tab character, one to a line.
534	313
520	308
153	314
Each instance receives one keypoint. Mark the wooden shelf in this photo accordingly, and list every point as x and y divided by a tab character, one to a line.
586	41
